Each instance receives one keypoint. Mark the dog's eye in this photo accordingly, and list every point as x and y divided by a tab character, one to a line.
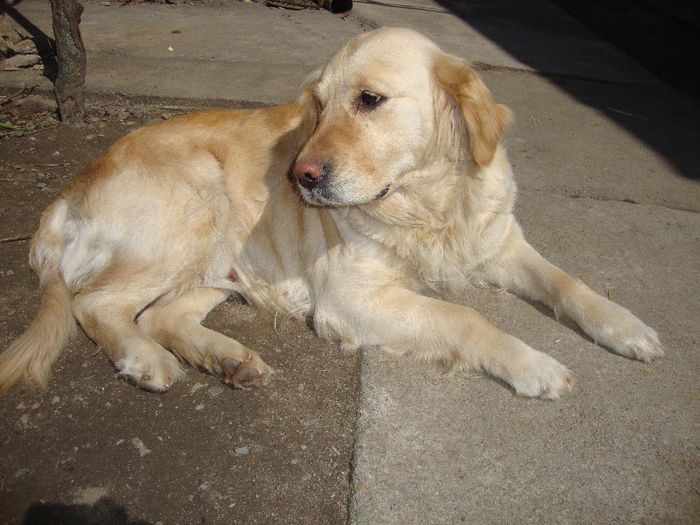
370	100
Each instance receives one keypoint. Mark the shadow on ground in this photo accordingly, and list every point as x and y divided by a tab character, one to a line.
44	43
662	38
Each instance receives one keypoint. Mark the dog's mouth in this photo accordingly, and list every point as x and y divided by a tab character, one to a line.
325	196
382	193
314	199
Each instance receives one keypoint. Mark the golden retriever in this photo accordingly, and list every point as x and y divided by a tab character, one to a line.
381	190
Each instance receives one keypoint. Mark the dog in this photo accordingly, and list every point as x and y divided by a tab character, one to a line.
364	204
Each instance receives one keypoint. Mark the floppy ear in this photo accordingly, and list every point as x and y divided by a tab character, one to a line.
309	103
486	120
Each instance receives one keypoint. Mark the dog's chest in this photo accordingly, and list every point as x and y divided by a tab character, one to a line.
446	259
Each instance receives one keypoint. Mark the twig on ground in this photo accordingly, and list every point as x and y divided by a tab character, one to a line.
12	127
52	164
35	131
17	238
22	92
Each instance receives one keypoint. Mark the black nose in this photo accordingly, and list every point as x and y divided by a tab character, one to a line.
310	173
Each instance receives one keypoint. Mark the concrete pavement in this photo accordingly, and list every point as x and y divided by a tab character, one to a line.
605	157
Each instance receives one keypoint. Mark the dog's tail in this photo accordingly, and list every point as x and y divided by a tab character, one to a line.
31	355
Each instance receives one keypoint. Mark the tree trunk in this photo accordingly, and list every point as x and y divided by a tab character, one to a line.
70	54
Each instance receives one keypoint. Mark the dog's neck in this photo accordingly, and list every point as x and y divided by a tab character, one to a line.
435	197
461	210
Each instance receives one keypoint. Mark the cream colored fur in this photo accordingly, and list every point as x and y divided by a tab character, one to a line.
414	208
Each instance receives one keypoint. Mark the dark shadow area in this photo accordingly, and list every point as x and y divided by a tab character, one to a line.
104	512
44	44
663	38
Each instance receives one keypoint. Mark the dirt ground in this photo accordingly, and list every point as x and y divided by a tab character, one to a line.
93	449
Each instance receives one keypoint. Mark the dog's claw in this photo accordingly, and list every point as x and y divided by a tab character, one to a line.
244	374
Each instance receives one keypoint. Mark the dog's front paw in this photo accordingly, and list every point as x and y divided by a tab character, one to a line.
625	334
640	343
535	374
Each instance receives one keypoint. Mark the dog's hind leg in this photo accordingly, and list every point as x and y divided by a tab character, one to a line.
107	315
177	326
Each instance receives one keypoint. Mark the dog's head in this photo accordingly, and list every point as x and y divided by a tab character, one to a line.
388	104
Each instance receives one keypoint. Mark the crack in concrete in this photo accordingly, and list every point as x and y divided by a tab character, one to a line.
493	68
605	198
